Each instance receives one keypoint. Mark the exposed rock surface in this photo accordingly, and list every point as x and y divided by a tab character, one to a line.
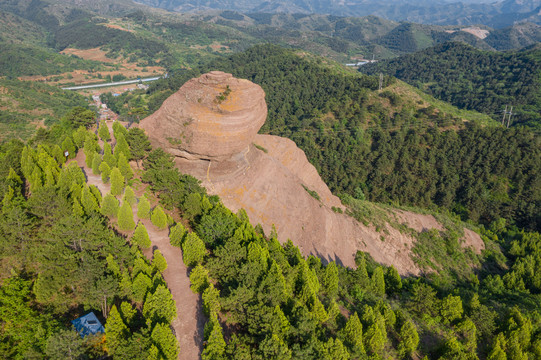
210	125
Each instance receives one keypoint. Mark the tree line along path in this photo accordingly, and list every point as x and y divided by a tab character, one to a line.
189	323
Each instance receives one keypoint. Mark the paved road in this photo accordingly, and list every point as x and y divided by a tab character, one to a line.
110	84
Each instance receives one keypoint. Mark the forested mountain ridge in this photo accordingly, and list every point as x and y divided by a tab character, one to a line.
346	128
498	14
474	79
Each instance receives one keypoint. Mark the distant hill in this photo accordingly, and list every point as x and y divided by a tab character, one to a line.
498	14
474	79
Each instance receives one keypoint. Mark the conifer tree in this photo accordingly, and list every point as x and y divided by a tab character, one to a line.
77	208
336	350
125	218
96	162
140	285
67	145
109	206
318	310
103	132
116	332
124	166
176	235
118	129
89	157
362	273
279	324
353	334
128	312
159	261
140	236
79	137
215	347
409	339
199	279
165	341
330	280
393	282
211	300
272	347
105	171
143	208
451	308
88	201
117	182
378	282
108	155
193	250
158	218
160	306
129	196
121	147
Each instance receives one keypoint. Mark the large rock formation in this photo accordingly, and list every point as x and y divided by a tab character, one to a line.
210	125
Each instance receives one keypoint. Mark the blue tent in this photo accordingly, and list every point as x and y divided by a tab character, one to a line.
88	325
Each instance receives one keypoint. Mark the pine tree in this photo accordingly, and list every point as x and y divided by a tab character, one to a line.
158	218
336	350
211	300
176	235
128	312
393	282
88	201
165	341
109	206
451	308
378	282
353	334
118	130
116	332
77	209
215	347
409	339
330	280
140	237
67	145
79	137
103	132
140	285
199	279
96	162
117	182
272	347
108	155
160	306
125	218
193	250
129	196
318	310
121	147
124	166
279	324
143	208
159	261
105	171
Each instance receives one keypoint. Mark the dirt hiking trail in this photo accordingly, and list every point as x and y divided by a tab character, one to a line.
190	321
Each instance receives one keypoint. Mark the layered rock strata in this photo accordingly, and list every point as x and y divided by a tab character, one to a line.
210	125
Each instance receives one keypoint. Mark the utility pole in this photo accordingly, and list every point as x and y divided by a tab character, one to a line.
504	113
380	81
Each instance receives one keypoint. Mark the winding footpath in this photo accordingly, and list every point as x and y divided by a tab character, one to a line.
190	321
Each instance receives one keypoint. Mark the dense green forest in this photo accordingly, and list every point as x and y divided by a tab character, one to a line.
474	79
62	257
383	147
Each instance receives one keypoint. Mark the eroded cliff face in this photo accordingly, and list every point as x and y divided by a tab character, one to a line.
210	125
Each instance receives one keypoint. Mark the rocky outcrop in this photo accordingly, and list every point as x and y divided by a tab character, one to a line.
210	125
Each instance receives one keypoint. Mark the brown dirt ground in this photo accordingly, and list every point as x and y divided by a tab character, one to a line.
189	324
